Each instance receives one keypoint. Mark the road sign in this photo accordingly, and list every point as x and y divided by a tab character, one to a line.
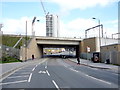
88	49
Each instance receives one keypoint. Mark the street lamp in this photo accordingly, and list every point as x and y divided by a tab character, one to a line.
98	24
33	21
26	35
99	29
1	25
26	41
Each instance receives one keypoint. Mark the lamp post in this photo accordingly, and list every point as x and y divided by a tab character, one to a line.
26	35
33	21
1	25
99	29
98	24
26	41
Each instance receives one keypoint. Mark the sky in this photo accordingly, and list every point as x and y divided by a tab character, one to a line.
75	16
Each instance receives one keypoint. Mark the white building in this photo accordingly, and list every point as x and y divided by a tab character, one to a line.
52	25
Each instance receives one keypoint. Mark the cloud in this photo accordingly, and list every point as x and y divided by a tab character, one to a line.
40	29
66	6
23	0
77	27
80	24
18	26
112	28
81	4
74	28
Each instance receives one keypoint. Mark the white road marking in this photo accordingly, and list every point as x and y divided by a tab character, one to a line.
21	73
36	65
94	68
74	70
25	73
46	67
46	62
98	79
64	65
41	72
18	76
42	61
33	69
48	73
115	74
13	82
55	84
29	79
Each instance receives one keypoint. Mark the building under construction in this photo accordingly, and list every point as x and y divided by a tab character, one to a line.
52	25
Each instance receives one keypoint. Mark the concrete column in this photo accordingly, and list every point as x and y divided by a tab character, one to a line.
40	50
118	58
32	49
78	51
119	21
1	44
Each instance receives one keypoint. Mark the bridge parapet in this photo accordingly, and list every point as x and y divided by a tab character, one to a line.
58	38
58	41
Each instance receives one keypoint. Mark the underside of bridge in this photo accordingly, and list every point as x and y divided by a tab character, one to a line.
58	50
37	48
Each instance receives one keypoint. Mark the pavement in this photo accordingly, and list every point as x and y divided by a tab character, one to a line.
8	68
97	65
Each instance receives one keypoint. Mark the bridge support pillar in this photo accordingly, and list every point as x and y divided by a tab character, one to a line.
32	49
78	51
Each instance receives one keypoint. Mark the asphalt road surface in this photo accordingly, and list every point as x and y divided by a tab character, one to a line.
60	74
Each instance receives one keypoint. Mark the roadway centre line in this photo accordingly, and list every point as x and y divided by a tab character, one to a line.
46	67
55	84
48	73
36	65
33	69
13	82
18	76
42	61
98	79
29	79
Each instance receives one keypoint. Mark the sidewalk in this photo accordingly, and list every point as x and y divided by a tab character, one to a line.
97	65
8	68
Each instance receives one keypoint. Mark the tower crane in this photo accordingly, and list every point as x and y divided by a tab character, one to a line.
44	8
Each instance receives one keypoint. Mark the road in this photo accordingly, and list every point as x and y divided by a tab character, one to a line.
59	74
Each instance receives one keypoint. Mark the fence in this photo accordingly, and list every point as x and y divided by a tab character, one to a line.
87	56
10	51
113	56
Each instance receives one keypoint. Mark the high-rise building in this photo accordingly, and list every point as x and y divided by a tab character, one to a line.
52	25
